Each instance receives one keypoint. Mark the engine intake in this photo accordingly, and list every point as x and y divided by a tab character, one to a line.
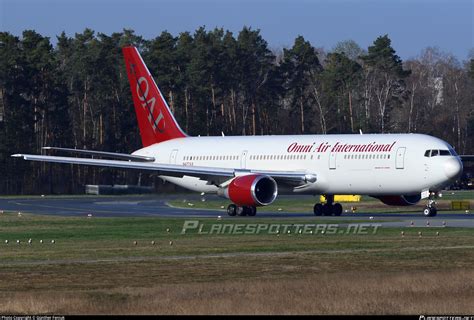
403	200
252	190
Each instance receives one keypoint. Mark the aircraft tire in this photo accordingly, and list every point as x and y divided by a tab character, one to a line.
241	211
430	211
318	209
327	210
232	210
251	211
337	209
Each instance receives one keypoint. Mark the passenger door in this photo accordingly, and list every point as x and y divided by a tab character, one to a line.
173	156
400	160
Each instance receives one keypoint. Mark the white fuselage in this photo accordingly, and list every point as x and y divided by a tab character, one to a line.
371	164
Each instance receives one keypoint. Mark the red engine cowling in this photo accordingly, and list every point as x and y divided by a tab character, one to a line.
407	200
252	190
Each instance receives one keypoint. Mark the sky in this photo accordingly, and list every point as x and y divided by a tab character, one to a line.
412	25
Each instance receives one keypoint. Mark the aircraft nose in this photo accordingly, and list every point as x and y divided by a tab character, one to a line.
452	167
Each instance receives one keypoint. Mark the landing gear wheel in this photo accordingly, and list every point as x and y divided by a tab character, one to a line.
241	211
318	209
231	210
427	212
430	211
337	209
251	211
327	210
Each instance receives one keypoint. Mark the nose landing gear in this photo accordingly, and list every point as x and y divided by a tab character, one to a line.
430	209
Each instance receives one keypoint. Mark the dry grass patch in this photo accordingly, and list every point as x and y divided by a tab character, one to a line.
337	293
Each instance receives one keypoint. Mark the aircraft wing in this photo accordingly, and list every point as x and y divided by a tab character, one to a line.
113	155
214	175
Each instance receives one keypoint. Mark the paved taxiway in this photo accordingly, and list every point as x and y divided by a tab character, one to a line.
156	206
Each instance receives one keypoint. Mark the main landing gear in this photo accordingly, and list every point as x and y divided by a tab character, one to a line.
329	208
234	210
430	209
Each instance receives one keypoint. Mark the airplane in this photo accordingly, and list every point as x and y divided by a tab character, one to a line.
251	171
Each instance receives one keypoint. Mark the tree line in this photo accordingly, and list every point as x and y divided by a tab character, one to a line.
76	94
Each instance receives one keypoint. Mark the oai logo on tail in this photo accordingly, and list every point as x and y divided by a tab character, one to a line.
148	105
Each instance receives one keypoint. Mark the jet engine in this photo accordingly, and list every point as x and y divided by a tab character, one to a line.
251	190
403	200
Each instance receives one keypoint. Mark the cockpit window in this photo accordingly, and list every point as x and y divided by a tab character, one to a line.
434	153
444	153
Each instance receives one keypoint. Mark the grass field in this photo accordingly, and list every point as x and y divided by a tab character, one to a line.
95	267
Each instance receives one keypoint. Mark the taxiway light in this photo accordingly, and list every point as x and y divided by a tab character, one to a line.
168	230
411	223
53	242
371	218
444	223
41	241
190	204
171	243
89	215
420	234
427	223
19	213
30	241
403	234
134	243
6	241
18	241
219	217
280	209
222	207
153	243
437	233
